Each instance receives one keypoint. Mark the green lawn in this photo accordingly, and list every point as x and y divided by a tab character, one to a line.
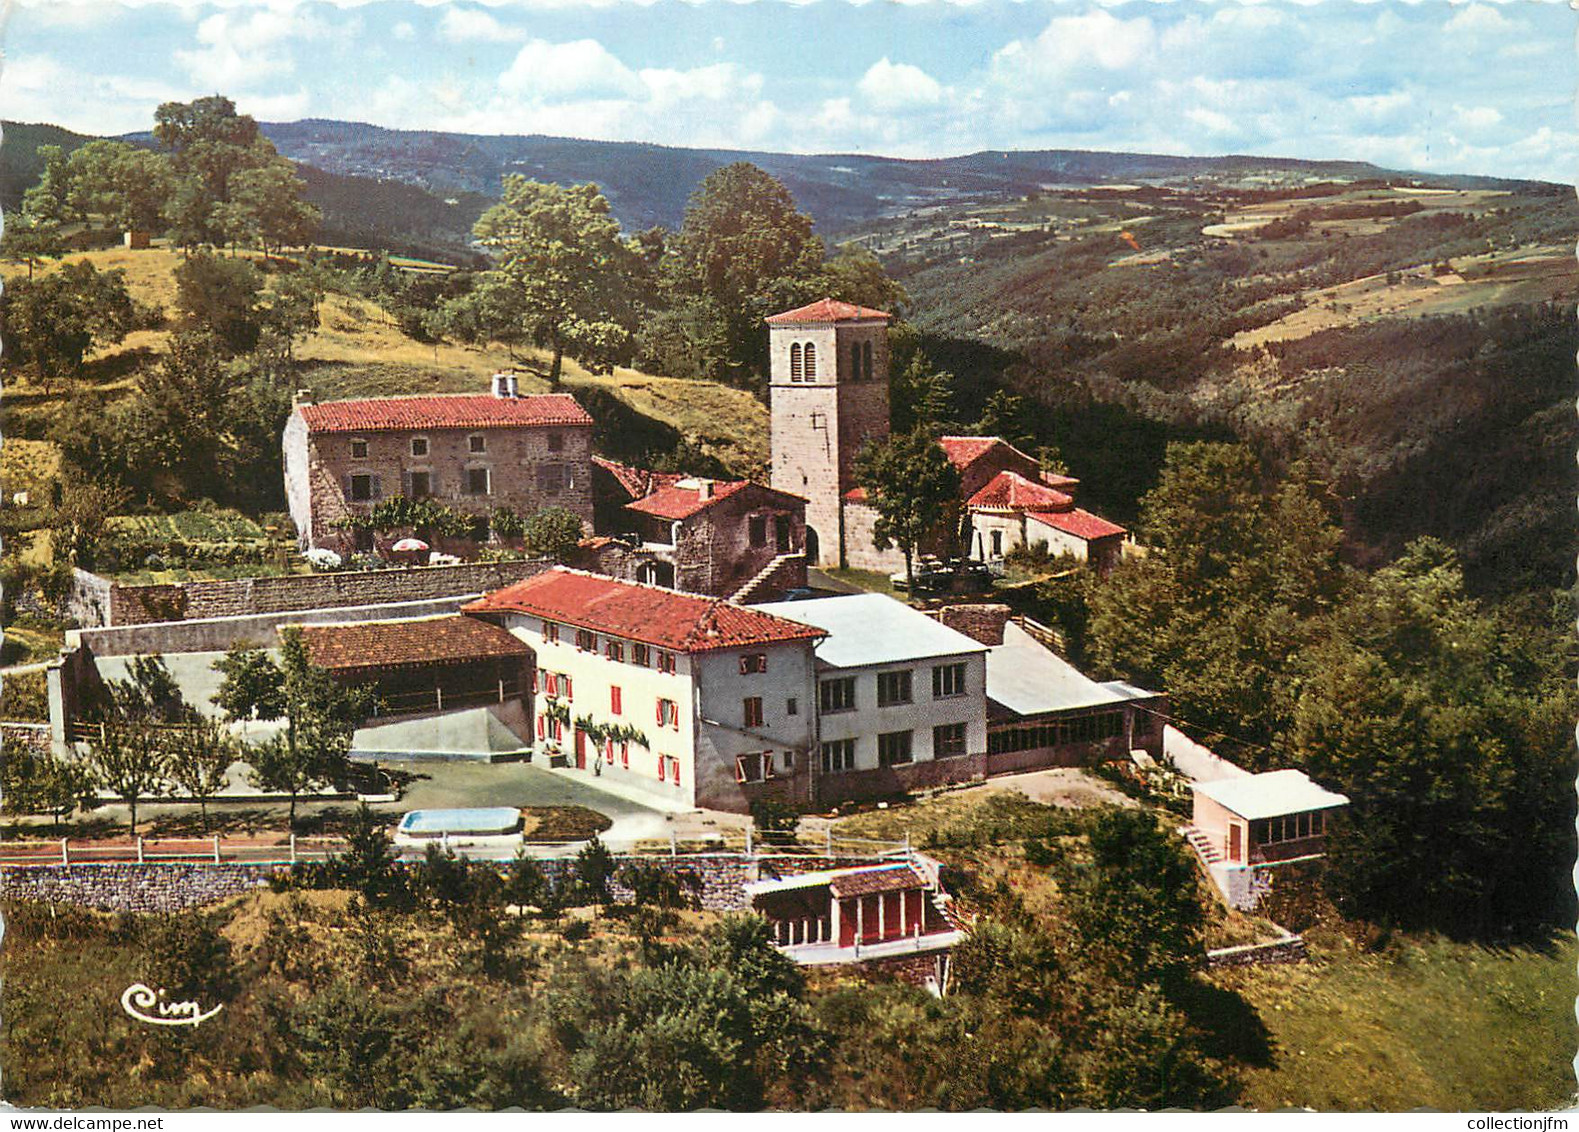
1423	1023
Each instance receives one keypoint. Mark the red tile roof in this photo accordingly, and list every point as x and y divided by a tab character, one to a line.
1081	524
681	622
636	482
675	502
461	410
1013	492
826	310
965	450
885	878
450	639
855	495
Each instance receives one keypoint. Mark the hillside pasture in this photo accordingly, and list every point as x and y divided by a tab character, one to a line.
1535	275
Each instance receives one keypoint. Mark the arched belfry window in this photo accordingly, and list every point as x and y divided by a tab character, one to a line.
794	361
866	355
811	362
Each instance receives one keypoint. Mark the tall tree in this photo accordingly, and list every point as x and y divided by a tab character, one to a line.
221	297
120	186
914	488
1454	746
266	207
746	247
209	144
1230	595
177	428
78	518
561	252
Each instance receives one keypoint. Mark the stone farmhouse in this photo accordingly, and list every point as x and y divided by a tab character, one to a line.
471	452
828	392
725	538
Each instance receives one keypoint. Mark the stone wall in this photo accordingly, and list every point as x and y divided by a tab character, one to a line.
162	887
171	886
99	602
1289	949
982	622
216	634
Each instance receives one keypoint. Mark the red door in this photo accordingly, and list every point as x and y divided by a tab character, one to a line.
581	749
1234	852
846	923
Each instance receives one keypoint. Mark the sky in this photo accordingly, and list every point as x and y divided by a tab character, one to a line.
1473	87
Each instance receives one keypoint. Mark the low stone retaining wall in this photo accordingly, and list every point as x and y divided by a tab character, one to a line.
217	634
161	887
98	602
164	886
1289	949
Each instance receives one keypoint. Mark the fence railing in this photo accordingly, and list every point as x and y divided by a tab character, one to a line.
293	848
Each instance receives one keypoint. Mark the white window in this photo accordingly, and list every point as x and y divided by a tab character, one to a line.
754	767
837	755
893	687
838	695
948	680
948	741
894	748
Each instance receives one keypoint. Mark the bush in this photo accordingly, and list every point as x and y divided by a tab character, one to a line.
575	931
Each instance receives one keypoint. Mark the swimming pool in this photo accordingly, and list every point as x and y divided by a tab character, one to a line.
487	821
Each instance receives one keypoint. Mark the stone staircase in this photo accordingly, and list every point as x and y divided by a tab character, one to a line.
1203	845
784	573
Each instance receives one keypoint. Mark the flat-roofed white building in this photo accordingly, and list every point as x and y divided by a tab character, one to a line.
1255	821
901	699
1043	711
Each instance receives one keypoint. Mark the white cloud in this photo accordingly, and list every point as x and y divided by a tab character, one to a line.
1477	117
1479	19
560	72
404	31
237	51
460	25
1211	121
898	86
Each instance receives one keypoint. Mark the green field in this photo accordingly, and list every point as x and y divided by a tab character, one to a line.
191	526
1425	1022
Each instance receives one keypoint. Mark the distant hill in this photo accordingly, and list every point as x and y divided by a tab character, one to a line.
20	165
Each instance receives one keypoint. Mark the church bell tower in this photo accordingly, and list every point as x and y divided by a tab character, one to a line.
828	395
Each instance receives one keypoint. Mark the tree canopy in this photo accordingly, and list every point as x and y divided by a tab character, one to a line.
914	488
566	267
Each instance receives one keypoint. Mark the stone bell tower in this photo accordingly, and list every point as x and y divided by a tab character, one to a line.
828	393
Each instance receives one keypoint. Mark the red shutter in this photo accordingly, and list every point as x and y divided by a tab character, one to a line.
675	768
660	713
569	692
662	766
614	700
541	729
625	754
740	768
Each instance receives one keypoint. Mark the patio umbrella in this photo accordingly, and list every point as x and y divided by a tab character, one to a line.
410	544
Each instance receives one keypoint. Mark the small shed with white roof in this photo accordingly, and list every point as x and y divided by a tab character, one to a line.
1263	818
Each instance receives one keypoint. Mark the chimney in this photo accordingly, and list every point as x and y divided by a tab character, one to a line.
504	386
982	622
302	397
704	489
